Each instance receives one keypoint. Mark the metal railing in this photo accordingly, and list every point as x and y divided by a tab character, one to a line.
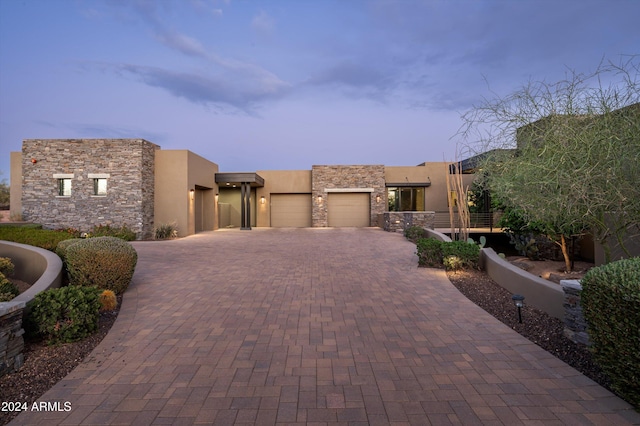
477	220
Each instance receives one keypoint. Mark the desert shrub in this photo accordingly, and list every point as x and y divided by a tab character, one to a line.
6	266
429	251
105	262
108	301
61	248
453	255
413	233
8	290
460	254
611	305
165	231
123	232
34	236
65	314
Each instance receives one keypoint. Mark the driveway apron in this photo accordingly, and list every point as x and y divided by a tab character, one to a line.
313	326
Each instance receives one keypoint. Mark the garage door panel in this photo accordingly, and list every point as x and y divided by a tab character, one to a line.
349	209
290	210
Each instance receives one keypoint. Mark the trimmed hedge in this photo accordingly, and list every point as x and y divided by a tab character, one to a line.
451	255
61	248
611	304
123	232
105	262
413	233
6	266
65	314
34	236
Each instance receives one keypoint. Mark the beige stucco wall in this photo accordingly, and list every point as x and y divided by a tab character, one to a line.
15	185
435	172
279	182
177	173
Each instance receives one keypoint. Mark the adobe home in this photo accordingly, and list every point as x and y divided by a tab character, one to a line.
81	183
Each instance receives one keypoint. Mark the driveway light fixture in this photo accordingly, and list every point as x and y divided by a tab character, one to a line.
518	300
263	200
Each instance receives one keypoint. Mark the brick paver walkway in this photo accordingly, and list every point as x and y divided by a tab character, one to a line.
313	326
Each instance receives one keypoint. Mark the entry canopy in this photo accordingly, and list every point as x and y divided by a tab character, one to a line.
229	179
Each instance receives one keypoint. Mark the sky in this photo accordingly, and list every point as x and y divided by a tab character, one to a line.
287	84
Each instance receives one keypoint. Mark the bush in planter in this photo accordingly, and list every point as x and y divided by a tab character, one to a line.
65	314
413	233
611	304
6	266
123	232
8	290
105	262
429	251
460	254
61	248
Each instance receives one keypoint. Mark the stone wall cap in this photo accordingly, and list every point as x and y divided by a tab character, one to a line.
9	307
575	284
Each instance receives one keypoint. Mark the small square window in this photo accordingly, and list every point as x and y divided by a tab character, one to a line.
100	186
64	187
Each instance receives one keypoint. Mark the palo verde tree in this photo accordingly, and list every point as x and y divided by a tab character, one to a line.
566	155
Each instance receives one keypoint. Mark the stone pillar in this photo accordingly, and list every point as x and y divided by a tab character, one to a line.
11	340
575	325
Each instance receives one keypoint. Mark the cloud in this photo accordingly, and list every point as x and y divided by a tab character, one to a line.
241	93
263	24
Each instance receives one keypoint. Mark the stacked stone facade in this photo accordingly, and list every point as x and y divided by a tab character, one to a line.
347	177
127	164
399	221
575	324
11	337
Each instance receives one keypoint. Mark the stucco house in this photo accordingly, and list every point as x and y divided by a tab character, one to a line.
81	183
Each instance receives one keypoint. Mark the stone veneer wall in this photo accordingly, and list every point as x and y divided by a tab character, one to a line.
575	325
129	163
332	177
399	221
11	337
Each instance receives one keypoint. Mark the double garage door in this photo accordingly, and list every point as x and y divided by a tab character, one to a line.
344	209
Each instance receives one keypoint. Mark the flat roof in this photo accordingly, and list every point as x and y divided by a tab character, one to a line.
237	178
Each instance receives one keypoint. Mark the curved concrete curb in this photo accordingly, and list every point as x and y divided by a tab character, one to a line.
538	292
40	267
431	233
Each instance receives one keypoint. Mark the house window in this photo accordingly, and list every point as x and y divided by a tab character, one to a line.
405	199
99	183
64	187
100	186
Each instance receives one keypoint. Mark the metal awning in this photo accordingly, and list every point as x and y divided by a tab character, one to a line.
230	179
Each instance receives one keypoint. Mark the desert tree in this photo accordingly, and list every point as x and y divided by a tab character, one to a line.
566	154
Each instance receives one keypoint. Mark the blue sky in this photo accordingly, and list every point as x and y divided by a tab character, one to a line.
286	84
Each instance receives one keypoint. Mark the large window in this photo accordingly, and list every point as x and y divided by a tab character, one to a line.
64	187
405	199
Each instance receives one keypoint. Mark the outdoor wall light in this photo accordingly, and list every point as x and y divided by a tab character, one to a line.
34	161
319	199
377	198
518	300
192	193
263	200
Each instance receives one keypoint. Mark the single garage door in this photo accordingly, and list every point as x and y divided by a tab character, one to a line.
291	210
348	209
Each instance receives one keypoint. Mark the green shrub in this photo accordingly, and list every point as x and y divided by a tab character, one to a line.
413	233
105	262
6	266
429	251
461	254
61	249
453	255
123	232
165	231
8	290
34	236
611	305
66	314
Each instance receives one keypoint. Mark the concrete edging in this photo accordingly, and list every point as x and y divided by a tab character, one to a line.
431	233
538	292
42	268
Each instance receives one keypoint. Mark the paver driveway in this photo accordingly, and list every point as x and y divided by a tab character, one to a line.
314	326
